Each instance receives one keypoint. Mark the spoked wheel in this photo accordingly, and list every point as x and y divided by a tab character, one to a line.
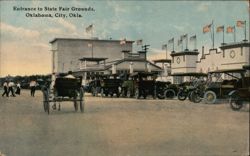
195	97
235	103
137	93
210	97
46	101
81	100
169	94
160	95
181	95
75	106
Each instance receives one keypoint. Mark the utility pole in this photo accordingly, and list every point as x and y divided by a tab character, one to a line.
145	49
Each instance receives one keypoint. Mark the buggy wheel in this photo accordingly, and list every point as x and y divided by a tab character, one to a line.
75	106
210	97
181	95
169	94
46	101
235	103
81	100
160	95
137	94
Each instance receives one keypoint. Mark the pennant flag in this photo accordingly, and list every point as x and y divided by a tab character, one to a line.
89	28
139	42
192	38
240	23
171	41
122	42
164	46
230	29
179	42
220	29
207	28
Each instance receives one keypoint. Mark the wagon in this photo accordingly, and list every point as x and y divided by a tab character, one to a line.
64	90
241	94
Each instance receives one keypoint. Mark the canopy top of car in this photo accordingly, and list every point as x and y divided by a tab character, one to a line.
229	71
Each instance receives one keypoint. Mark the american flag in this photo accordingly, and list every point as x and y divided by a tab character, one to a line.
240	23
89	28
207	28
164	46
220	29
171	40
139	42
192	38
230	29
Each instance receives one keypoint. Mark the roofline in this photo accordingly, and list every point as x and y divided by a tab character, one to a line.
84	39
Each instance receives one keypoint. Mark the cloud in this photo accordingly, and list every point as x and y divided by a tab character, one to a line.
19	31
203	7
54	31
117	7
69	26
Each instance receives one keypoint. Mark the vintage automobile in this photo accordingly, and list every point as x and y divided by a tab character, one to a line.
111	86
241	95
165	90
185	89
63	90
145	84
220	88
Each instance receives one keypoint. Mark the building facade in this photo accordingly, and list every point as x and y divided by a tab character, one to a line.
66	52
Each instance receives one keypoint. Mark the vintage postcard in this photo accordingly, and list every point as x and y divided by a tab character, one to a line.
124	78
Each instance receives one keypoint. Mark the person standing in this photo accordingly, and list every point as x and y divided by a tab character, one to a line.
11	88
18	88
32	87
6	88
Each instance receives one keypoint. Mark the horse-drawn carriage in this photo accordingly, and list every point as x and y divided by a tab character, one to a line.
63	90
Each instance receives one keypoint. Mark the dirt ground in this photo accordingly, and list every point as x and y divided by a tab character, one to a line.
122	127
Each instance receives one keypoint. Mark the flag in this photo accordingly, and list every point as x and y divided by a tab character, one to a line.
184	36
230	29
139	42
240	23
192	38
89	28
123	41
164	46
179	42
171	41
207	28
220	29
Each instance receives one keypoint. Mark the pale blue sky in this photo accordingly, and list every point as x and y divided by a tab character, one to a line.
26	40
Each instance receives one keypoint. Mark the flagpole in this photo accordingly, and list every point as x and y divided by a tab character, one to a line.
166	51
245	30
195	43
213	33
173	44
187	42
92	53
234	34
223	36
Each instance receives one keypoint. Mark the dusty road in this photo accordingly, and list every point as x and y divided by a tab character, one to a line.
122	127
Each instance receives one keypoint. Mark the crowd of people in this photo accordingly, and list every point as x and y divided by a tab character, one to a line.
12	89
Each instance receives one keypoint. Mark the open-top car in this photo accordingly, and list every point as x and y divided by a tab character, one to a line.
221	86
241	94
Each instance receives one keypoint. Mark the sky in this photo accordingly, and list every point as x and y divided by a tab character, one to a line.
24	41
